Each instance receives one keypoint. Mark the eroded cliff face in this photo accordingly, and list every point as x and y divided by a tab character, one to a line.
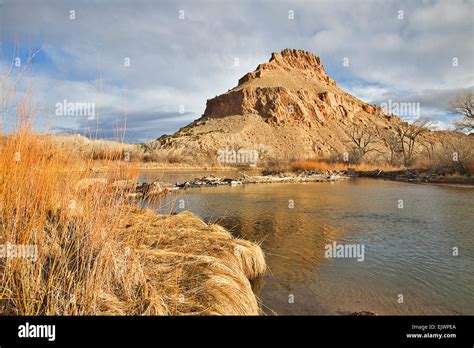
306	63
289	106
291	86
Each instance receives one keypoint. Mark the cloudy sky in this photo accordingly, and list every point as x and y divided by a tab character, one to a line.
181	53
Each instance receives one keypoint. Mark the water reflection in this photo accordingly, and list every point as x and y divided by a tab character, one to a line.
407	251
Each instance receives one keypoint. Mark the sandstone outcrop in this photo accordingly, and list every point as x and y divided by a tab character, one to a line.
287	108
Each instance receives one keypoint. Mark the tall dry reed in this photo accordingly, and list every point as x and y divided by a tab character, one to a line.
75	260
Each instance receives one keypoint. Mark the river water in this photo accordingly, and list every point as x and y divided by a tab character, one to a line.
418	242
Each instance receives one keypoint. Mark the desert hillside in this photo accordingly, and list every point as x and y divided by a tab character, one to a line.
288	108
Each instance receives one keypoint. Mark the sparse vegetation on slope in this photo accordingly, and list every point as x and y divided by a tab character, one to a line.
293	110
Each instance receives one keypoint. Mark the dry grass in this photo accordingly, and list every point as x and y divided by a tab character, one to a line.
97	253
202	269
323	165
104	150
470	168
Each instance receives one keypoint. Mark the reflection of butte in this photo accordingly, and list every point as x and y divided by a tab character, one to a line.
294	241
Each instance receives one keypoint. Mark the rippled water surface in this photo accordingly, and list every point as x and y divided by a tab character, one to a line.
408	251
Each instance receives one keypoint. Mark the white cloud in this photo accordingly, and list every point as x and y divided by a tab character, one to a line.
187	61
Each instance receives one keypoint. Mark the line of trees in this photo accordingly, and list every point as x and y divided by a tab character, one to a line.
401	143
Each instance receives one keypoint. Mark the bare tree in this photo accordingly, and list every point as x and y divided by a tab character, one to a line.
463	105
362	140
392	143
429	146
407	134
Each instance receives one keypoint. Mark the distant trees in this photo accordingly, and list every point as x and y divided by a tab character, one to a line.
463	105
402	142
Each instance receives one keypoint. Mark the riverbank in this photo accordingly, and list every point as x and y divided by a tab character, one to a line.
421	176
262	175
212	180
150	264
93	251
194	268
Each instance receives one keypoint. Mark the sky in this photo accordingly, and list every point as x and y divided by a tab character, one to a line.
148	66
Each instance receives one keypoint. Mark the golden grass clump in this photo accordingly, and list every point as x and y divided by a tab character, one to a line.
202	268
94	253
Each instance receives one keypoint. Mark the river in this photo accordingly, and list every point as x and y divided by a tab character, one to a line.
418	242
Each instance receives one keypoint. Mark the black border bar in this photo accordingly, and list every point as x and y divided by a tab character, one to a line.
222	331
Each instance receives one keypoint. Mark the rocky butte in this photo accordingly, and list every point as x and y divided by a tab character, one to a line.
288	107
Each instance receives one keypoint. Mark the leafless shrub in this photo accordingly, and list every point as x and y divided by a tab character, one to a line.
392	143
455	154
362	141
463	105
407	138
